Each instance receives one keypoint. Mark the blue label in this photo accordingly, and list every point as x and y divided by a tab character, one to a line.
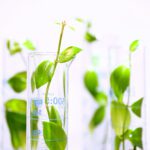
36	132
38	102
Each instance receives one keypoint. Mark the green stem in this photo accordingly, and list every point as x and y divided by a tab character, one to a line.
129	94
55	65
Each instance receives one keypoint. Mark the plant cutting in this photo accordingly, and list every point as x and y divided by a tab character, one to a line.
55	137
89	37
15	108
121	110
91	82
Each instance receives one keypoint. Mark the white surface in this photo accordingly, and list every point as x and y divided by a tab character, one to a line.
121	21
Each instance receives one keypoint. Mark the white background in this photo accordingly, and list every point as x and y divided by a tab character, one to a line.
114	20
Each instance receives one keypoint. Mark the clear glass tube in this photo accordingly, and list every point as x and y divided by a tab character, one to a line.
47	131
95	114
127	110
14	101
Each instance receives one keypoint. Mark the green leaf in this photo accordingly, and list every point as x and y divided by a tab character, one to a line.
126	135
80	20
68	54
8	44
97	118
42	74
134	45
18	82
117	143
136	138
91	82
88	25
101	98
89	37
14	49
136	107
29	45
72	28
54	136
119	80
120	117
15	110
54	116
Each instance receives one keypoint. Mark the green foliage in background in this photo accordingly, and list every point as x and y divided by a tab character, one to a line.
119	81
15	108
89	37
92	85
18	82
15	47
91	82
15	111
121	111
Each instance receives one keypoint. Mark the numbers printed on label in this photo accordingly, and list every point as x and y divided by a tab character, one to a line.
38	102
56	101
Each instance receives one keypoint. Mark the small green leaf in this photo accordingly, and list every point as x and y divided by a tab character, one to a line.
8	44
101	98
97	118
120	117
134	45
89	37
80	20
88	25
18	82
14	49
54	116
68	54
119	80
15	110
16	105
29	45
91	82
72	28
136	138
54	136
42	74
117	143
136	107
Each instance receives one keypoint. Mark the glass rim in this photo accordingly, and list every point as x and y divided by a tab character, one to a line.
53	54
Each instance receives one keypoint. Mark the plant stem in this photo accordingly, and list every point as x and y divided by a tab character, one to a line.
55	65
129	94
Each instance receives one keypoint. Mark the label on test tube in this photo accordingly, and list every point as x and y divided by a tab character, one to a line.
56	101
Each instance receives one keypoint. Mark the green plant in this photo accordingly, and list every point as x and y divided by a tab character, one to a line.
44	74
15	108
88	36
121	111
92	85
